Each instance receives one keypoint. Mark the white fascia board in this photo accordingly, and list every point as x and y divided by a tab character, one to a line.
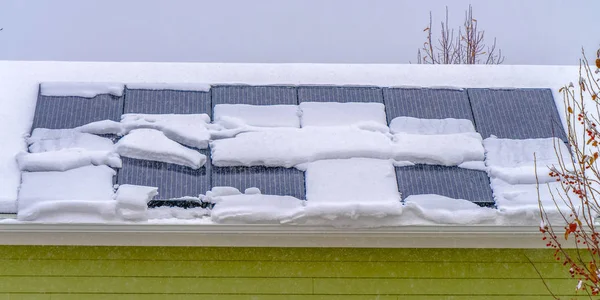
272	236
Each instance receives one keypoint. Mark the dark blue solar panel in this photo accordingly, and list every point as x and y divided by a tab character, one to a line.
61	112
167	102
254	95
270	181
516	114
453	182
339	94
173	181
426	103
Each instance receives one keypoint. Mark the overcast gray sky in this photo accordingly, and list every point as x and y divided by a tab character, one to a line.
319	31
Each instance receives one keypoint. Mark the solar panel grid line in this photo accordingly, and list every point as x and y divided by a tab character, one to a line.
145	101
427	103
341	94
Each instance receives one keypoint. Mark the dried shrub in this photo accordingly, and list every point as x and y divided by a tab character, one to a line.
466	47
579	178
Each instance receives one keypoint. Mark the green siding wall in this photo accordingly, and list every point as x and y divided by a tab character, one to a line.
59	272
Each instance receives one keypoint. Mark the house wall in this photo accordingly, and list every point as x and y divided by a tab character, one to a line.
77	272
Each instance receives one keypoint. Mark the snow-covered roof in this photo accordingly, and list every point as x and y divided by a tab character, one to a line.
341	145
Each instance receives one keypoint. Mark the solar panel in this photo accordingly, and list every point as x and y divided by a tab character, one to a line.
254	95
452	182
173	181
339	94
270	181
516	113
427	103
167	102
62	112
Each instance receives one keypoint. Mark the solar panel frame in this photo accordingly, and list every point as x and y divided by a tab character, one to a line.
148	101
516	113
341	94
270	180
427	103
452	182
63	112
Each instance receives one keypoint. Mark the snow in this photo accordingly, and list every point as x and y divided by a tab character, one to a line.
102	127
188	129
436	209
351	188
42	140
287	147
40	190
341	114
513	160
150	144
430	126
196	87
259	115
69	211
445	149
165	212
255	208
135	197
81	89
66	159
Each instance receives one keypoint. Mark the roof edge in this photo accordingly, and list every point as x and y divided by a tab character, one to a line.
273	236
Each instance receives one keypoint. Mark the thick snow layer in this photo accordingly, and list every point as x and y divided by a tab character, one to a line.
42	140
513	160
70	211
351	188
91	183
81	89
259	115
197	87
255	208
341	114
135	197
517	196
66	159
446	149
430	126
288	147
438	209
190	130
150	144
102	127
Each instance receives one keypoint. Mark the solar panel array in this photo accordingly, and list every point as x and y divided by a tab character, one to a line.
519	113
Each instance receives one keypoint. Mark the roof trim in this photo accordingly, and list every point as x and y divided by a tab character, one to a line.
272	236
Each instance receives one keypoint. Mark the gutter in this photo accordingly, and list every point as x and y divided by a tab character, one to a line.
272	236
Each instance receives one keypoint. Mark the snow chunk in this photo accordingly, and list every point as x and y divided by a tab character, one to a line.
195	87
287	147
341	114
66	159
150	144
474	165
252	191
102	127
259	115
42	140
188	129
351	188
70	211
81	89
437	209
40	189
135	197
447	149
255	208
519	196
430	126
513	162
